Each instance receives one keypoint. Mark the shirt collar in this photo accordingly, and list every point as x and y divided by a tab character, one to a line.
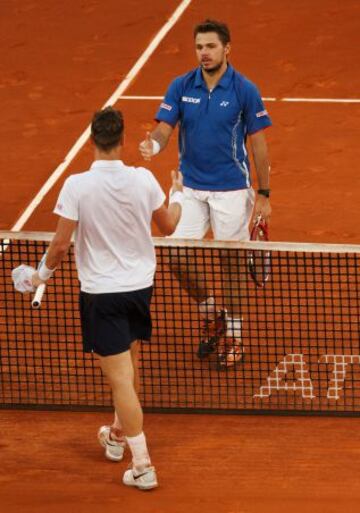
107	164
224	82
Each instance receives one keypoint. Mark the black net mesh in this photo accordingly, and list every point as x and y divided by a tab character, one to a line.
300	333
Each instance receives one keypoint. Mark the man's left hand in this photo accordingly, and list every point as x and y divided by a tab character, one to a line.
36	280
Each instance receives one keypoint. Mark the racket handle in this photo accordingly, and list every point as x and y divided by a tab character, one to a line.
36	302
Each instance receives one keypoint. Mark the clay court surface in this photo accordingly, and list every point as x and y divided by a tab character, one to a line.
60	62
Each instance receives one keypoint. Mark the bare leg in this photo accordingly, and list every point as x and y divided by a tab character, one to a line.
119	371
221	327
190	274
134	351
234	287
234	280
116	426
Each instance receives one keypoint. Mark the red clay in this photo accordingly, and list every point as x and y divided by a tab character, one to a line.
220	464
62	61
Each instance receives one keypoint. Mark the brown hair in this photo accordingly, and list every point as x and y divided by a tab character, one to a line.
107	128
220	28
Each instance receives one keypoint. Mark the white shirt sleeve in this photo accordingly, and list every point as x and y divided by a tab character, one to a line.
157	195
67	204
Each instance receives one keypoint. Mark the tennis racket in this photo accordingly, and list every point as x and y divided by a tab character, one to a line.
36	301
259	260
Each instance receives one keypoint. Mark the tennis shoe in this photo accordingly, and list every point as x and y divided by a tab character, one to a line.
230	353
114	450
211	332
145	480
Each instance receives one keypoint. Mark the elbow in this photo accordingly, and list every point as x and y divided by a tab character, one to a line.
168	230
166	219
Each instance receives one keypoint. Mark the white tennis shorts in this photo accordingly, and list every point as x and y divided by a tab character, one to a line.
227	213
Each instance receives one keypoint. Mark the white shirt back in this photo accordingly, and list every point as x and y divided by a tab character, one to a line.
113	204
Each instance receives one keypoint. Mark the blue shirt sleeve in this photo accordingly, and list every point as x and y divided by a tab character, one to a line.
256	116
169	110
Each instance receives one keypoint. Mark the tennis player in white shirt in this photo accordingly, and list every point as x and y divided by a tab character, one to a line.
111	207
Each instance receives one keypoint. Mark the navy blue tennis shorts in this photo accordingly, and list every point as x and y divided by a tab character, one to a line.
110	322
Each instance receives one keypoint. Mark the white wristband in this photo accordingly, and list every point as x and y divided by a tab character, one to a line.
177	197
156	147
44	272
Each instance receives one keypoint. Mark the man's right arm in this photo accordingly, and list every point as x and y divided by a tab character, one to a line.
156	141
167	116
167	218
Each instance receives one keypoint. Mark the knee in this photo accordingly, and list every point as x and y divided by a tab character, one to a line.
123	380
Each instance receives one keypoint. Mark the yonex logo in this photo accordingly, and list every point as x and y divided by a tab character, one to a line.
224	104
189	99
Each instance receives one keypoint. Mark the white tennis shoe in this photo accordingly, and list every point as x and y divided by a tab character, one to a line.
145	480
114	451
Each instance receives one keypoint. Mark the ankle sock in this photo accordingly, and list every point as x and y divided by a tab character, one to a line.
139	451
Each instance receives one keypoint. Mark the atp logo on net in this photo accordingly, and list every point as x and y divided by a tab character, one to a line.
302	381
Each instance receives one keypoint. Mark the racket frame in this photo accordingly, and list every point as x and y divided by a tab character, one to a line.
260	227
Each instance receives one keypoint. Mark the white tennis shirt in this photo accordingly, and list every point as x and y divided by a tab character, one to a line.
113	205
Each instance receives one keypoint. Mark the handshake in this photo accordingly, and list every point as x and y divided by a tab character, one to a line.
150	147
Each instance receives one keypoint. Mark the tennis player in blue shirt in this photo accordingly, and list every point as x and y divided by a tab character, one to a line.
217	111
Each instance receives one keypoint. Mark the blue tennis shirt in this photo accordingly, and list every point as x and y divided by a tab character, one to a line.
213	127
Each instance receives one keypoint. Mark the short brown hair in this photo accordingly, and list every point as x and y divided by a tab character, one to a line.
107	128
220	28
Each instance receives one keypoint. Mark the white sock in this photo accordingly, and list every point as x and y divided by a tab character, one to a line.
207	307
139	451
234	328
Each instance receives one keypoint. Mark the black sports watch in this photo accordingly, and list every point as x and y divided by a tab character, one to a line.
264	192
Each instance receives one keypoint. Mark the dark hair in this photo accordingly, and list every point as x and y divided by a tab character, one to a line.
220	28
107	128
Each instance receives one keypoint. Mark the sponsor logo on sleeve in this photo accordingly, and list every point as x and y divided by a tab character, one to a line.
190	99
165	106
262	113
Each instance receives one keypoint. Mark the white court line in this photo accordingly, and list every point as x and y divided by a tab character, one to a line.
85	135
321	100
265	99
124	97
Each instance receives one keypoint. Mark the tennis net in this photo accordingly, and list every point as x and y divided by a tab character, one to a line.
300	332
